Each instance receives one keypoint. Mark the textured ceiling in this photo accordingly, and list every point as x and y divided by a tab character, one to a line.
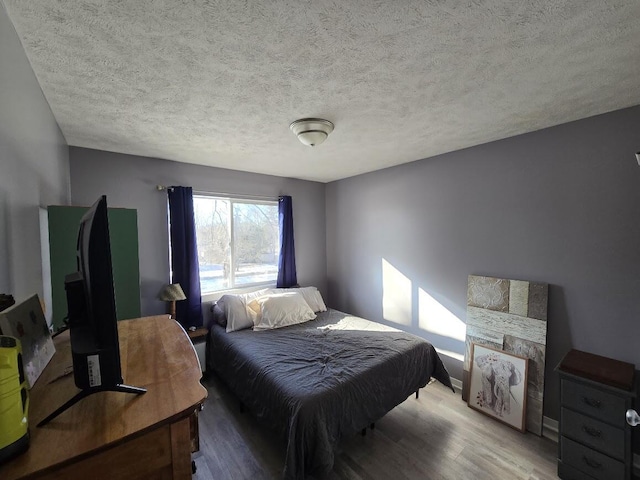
218	82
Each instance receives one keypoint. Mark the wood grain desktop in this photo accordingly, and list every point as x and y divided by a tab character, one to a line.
118	435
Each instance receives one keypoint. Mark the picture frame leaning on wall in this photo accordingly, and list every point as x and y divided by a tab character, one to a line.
498	385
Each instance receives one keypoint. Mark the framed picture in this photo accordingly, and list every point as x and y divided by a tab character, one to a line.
25	321
498	385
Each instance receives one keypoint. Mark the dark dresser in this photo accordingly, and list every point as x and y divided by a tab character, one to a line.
594	437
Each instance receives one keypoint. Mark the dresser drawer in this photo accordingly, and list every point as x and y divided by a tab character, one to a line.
593	433
589	461
567	472
604	406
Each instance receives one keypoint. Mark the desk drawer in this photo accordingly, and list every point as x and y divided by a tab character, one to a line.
593	433
589	461
604	406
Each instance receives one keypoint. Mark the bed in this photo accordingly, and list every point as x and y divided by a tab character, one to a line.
316	382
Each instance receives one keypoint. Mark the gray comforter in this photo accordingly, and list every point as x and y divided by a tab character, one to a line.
321	380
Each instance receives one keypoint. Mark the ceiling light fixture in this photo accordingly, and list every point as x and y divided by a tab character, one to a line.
312	131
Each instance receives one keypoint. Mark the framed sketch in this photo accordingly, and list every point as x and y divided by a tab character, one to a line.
498	385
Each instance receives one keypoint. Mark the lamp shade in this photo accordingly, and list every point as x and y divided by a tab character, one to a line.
172	293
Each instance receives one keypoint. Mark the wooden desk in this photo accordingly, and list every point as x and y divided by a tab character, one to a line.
118	435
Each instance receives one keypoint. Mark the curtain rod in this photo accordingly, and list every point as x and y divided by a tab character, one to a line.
240	196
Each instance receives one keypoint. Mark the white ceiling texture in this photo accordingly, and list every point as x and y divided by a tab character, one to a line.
218	82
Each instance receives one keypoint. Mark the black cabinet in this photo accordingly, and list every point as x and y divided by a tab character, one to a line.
595	440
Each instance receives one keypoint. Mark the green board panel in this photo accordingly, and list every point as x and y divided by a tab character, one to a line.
123	233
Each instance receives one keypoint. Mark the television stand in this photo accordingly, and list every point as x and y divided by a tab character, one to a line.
89	391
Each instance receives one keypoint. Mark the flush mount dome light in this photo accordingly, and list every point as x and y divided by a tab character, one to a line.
312	131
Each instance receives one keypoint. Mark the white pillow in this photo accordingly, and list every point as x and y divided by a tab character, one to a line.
236	313
280	310
235	309
314	299
248	297
311	295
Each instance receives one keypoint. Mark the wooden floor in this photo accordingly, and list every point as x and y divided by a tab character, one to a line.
434	437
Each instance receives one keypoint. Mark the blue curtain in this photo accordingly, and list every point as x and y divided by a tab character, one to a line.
184	255
287	262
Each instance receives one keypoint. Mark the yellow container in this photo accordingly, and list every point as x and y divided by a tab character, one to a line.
14	400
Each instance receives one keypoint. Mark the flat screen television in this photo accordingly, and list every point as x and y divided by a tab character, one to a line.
91	304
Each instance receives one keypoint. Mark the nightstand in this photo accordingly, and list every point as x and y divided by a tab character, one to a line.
594	437
199	339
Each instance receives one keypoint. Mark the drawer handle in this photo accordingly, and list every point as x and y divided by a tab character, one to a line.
592	402
594	432
592	463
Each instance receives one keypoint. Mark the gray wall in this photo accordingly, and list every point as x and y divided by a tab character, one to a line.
34	167
561	205
130	181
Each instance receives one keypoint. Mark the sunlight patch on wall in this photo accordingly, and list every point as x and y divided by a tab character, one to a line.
396	295
435	318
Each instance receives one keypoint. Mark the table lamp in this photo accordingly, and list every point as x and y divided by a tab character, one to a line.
172	293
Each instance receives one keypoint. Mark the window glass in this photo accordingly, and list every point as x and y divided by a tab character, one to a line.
238	242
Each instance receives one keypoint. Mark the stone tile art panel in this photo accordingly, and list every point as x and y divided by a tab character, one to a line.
510	315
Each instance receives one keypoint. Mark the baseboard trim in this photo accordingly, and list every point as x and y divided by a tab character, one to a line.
457	384
550	429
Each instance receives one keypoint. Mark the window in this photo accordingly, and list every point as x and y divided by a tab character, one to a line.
238	242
